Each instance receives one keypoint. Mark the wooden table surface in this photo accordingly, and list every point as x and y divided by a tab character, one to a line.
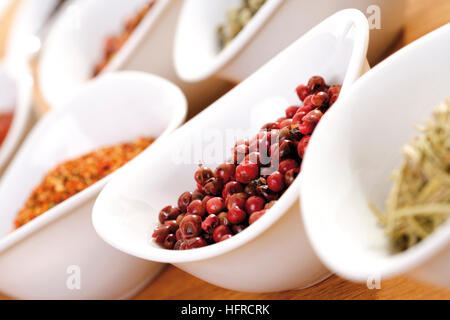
422	16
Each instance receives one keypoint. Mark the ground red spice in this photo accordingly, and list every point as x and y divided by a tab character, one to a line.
75	175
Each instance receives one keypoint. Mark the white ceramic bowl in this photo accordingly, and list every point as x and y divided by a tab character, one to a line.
75	44
15	95
274	253
29	20
35	258
351	157
20	46
276	25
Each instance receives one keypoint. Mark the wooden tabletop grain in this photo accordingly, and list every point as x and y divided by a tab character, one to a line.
422	17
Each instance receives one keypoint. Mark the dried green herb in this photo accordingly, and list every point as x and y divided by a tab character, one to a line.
419	201
237	19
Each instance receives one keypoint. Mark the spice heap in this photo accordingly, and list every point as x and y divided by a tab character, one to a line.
419	201
5	124
73	176
241	190
237	19
114	43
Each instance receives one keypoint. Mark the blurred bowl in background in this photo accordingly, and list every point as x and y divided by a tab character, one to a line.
276	25
30	20
35	258
15	97
75	45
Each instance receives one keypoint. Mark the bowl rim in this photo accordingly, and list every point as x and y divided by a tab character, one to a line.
120	58
84	196
401	262
227	54
356	64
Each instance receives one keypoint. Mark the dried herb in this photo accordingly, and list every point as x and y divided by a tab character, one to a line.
419	201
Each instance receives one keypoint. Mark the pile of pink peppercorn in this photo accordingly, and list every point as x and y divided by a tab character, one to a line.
239	192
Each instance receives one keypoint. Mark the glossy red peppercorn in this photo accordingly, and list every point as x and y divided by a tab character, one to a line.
193	243
275	182
256	216
225	172
287	165
215	205
270	126
238	228
320	98
172	224
302	91
160	233
254	204
285	123
313	117
236	215
334	90
202	175
283	134
301	148
213	187
307	105
295	135
316	83
298	118
184	200
170	241
290	176
197	208
223	218
179	235
286	148
219	232
240	152
191	226
230	188
236	200
178	245
168	213
246	172
291	111
250	189
206	199
268	194
261	144
254	157
210	223
179	218
306	128
333	99
197	195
